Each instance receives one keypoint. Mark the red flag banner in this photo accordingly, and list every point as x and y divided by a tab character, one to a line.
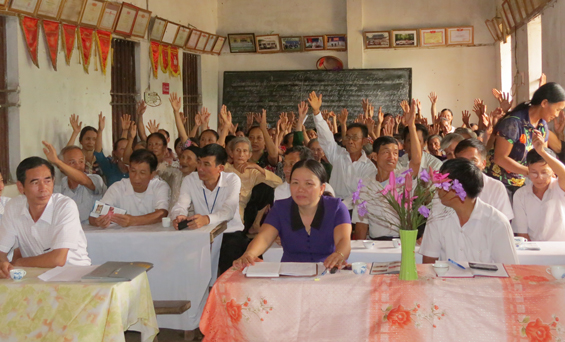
104	39
69	35
174	61
51	30
85	44
154	54
165	49
30	26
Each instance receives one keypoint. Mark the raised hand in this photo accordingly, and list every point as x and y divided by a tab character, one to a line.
410	116
366	104
141	108
291	117
263	118
176	102
325	114
249	121
101	122
342	117
542	79
433	97
466	116
560	123
152	126
205	117
198	119
257	117
538	141
370	123
371	112
50	152
132	130
405	106
506	102
75	124
434	129
302	109
388	130
126	122
315	102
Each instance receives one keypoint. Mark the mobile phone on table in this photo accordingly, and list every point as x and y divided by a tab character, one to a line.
184	224
484	267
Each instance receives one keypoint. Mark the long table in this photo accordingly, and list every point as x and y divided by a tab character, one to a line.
550	253
33	310
185	262
529	305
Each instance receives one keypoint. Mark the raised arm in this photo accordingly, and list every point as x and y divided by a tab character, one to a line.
126	123
177	104
343	122
101	126
76	125
416	148
141	107
325	135
269	143
226	118
129	147
433	100
557	167
73	174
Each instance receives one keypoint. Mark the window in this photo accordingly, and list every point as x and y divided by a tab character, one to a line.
506	78
4	142
534	54
124	90
190	87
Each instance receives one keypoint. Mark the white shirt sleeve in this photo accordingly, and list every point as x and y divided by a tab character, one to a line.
502	201
520	221
162	195
431	244
112	196
326	138
184	201
99	186
230	205
66	225
503	249
7	233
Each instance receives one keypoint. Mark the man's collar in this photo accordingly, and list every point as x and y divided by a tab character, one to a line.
296	220
47	214
221	182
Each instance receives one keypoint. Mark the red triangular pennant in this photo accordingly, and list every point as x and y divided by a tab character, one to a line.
154	54
85	44
165	58
51	30
104	39
30	26
69	35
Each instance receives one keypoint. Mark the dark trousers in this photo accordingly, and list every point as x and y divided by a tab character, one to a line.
261	196
233	247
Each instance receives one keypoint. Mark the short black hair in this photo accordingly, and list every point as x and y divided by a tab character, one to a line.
117	142
32	163
381	141
287	137
159	136
364	128
471	143
447	109
420	128
84	130
177	141
229	138
534	157
305	152
145	156
167	135
313	165
469	175
338	138
212	131
217	151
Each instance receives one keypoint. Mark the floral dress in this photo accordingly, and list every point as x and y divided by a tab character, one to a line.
517	129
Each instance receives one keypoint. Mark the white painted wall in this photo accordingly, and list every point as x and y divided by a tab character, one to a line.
457	74
553	35
49	97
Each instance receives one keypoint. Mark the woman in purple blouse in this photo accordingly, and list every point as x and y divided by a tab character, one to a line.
312	227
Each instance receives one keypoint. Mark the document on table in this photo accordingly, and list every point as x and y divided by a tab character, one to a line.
276	269
66	273
456	272
528	246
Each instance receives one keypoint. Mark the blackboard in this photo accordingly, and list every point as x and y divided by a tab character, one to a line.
281	91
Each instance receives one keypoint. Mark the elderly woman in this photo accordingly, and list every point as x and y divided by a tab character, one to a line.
312	227
513	135
87	139
250	174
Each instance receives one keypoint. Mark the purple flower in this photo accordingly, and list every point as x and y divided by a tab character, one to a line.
424	211
425	176
406	172
446	186
355	196
359	185
362	209
458	187
400	180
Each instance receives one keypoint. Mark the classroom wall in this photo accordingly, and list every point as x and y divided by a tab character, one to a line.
553	35
49	97
457	74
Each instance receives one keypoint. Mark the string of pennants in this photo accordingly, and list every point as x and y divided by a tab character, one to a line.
93	22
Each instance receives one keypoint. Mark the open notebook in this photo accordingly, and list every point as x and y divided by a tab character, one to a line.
456	272
276	269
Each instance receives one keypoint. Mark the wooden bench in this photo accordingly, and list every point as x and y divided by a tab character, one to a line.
171	307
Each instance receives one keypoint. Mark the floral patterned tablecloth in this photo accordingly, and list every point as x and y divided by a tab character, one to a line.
527	306
33	310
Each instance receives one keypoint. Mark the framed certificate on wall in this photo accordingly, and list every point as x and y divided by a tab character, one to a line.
202	41
24	6
4	4
210	43
126	19
158	29
170	33
141	23
91	13
219	45
109	16
432	37
460	35
193	39
71	11
49	9
182	36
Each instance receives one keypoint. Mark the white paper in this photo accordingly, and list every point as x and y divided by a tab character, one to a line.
67	273
101	209
298	269
529	246
357	244
456	272
264	269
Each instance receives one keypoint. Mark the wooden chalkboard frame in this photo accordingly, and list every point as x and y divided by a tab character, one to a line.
248	91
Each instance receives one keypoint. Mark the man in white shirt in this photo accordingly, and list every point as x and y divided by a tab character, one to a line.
448	144
84	189
373	224
3	200
291	157
427	159
143	196
215	195
474	230
494	192
539	206
43	228
350	163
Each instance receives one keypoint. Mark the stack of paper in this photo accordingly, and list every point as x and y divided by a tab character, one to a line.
457	272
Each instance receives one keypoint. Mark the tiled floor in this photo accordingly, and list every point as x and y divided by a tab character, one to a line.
165	335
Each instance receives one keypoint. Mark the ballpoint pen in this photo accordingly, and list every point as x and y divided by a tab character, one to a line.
456	264
325	271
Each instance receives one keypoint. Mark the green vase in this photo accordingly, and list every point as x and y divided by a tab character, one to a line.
408	262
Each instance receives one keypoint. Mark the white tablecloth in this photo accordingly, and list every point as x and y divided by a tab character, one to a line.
551	253
182	263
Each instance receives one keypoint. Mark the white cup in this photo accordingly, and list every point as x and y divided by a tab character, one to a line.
369	244
166	222
359	267
441	267
518	240
17	274
396	243
556	271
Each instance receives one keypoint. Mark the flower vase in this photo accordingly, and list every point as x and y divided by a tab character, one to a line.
408	261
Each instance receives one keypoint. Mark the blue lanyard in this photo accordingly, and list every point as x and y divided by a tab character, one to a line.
206	199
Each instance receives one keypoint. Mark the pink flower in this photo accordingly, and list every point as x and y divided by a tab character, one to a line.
438	177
